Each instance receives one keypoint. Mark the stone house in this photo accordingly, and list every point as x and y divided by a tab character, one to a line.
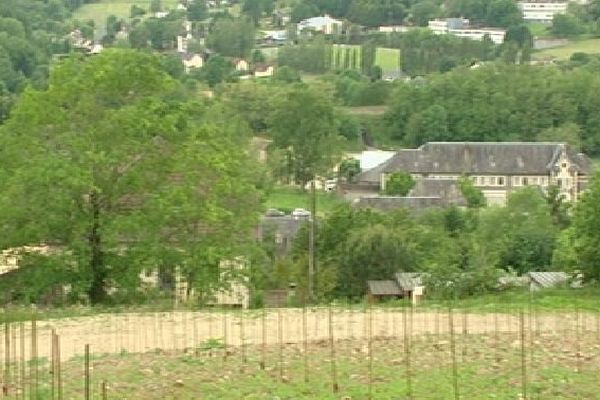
496	168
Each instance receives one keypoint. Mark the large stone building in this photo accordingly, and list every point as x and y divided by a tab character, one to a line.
497	168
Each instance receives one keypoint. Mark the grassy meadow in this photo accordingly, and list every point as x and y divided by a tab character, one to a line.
387	59
591	46
98	12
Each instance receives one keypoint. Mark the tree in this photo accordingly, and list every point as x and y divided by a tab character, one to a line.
586	235
424	11
232	38
112	167
503	13
399	184
155	6
565	25
253	9
216	70
287	75
474	196
304	123
197	10
568	133
348	169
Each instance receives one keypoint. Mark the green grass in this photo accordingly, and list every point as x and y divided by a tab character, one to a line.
587	298
387	59
591	46
559	365
539	30
98	12
285	198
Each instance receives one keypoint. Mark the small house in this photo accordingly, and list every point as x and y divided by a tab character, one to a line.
263	71
240	65
191	62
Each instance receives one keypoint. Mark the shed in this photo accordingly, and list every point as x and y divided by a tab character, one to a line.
545	280
411	284
379	290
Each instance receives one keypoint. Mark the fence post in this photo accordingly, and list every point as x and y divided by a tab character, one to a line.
87	372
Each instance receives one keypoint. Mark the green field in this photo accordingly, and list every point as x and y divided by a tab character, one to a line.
591	46
388	59
98	12
287	199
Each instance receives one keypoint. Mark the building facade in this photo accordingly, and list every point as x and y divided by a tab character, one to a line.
496	168
462	28
542	11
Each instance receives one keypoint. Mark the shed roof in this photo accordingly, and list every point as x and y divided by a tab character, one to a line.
548	279
408	280
384	288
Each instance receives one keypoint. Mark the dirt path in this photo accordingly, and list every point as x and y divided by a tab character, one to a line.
135	333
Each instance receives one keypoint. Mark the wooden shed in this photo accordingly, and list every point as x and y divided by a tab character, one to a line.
380	290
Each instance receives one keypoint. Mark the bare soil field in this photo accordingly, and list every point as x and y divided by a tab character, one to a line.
181	330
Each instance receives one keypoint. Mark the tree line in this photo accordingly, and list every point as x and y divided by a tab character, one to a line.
500	102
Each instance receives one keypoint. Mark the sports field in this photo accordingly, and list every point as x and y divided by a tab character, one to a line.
591	46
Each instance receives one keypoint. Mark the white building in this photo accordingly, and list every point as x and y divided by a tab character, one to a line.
461	27
191	61
325	24
542	11
495	34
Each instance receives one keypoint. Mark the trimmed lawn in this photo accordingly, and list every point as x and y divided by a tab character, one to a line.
388	59
286	199
98	12
564	52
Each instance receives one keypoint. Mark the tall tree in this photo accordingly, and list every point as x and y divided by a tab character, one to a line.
304	123
585	229
232	38
113	167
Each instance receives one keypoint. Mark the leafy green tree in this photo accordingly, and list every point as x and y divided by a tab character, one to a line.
232	38
114	169
424	11
304	123
474	196
503	13
348	169
287	75
567	133
528	232
139	37
216	70
430	124
586	235
399	184
303	10
155	6
565	25
197	10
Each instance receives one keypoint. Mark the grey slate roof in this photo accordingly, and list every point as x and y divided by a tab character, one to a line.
390	203
408	280
503	158
384	288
